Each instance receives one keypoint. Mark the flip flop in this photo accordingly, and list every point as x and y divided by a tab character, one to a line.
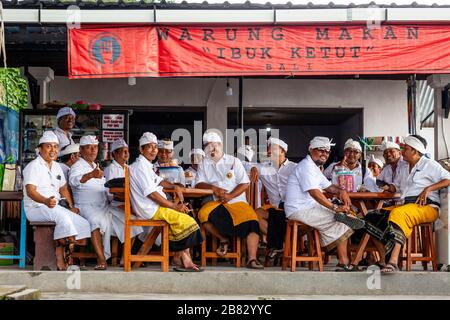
390	269
100	267
257	265
222	250
183	269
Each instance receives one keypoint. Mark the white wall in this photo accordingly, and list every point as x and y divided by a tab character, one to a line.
384	101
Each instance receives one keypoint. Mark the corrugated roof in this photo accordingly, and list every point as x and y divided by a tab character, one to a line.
425	104
108	4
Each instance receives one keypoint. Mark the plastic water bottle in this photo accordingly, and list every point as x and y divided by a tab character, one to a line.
18	185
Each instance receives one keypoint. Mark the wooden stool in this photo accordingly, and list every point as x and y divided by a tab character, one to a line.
44	253
294	230
236	254
427	247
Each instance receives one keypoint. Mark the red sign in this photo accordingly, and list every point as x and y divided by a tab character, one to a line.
165	51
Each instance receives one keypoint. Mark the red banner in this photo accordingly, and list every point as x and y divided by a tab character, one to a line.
165	51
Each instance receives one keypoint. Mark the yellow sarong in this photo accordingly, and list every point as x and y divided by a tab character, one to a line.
240	211
181	225
410	215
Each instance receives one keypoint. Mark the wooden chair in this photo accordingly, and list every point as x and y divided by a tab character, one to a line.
236	254
294	231
426	244
158	227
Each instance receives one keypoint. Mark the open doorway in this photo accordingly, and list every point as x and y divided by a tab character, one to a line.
297	126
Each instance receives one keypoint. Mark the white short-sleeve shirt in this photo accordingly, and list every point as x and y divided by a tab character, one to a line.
143	182
397	178
113	171
306	176
227	173
425	173
63	139
275	181
47	181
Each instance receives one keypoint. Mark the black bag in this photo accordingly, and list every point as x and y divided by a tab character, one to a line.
115	183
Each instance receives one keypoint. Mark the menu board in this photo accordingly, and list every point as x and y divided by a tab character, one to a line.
113	121
111	136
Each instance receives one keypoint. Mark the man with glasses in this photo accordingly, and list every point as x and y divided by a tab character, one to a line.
167	167
66	121
349	164
306	202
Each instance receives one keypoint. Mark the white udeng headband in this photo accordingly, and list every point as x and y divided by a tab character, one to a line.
415	143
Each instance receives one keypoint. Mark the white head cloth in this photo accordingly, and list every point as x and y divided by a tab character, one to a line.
69	149
48	137
211	136
64	112
165	144
88	140
147	138
279	142
376	160
247	152
415	143
350	143
117	144
321	142
197	151
389	145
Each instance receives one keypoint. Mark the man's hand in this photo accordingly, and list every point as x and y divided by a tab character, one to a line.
345	198
254	174
390	188
342	209
226	197
422	198
75	210
51	202
181	207
218	192
97	173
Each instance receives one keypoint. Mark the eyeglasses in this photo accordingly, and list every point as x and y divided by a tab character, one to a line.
323	151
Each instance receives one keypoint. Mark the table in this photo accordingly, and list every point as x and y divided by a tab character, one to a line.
187	192
361	198
17	196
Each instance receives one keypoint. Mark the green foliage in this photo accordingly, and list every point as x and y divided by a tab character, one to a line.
13	89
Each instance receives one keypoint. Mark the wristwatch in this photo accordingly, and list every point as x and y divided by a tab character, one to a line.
335	206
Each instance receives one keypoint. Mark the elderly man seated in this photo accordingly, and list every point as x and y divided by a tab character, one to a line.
274	177
167	167
229	214
421	201
305	202
348	165
150	202
394	174
88	186
45	185
116	169
196	156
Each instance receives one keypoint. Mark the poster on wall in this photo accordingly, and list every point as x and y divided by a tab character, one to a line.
111	136
113	121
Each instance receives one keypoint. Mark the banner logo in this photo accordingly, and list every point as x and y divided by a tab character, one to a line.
105	48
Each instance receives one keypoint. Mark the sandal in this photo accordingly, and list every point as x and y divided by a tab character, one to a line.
274	253
345	267
254	264
100	266
183	269
390	268
223	248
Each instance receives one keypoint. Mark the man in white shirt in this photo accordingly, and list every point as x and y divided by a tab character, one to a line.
167	167
350	163
396	170
274	177
65	122
45	185
229	214
150	202
67	158
196	156
88	187
420	193
375	166
116	169
305	202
